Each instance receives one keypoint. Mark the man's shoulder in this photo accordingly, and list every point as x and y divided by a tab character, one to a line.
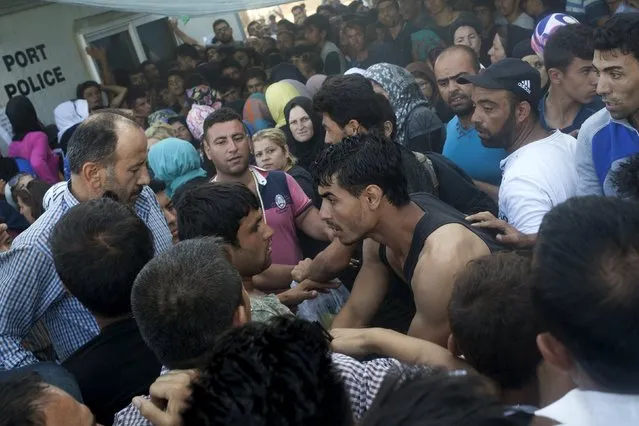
595	123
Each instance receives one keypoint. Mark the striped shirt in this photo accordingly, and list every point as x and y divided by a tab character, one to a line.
30	289
362	381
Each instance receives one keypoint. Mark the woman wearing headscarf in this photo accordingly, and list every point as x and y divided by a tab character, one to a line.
67	115
174	162
315	83
256	112
506	38
427	83
418	128
29	140
304	132
277	96
195	121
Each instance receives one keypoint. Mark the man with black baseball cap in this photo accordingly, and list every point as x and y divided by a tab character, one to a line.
540	170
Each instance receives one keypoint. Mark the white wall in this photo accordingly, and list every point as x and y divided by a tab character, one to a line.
202	26
51	26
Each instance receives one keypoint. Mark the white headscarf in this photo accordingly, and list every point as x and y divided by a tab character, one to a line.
355	70
70	113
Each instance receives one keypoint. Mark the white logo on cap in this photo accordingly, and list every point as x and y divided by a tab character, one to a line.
525	85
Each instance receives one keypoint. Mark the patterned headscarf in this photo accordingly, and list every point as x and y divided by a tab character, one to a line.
403	92
161	116
196	118
202	95
256	112
314	84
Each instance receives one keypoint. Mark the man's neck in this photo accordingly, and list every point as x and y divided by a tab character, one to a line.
465	120
247	282
246	178
528	395
394	31
560	110
530	132
513	16
396	227
78	189
105	322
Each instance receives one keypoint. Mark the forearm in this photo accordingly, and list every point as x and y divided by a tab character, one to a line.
275	278
491	190
431	332
105	72
186	38
330	262
119	93
350	317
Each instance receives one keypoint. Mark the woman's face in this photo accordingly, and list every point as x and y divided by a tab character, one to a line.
181	132
425	87
497	52
300	124
537	63
176	85
468	36
243	58
25	210
269	155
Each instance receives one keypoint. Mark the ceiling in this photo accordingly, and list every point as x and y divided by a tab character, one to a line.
12	6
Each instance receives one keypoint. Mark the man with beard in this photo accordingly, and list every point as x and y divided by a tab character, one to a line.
419	238
540	170
463	145
107	155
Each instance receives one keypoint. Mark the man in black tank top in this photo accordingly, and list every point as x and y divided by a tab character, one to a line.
423	240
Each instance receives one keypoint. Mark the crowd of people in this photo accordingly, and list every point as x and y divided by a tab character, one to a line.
415	214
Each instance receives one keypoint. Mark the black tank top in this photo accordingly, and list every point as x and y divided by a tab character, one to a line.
436	214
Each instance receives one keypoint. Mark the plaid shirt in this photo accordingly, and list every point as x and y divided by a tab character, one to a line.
30	289
362	381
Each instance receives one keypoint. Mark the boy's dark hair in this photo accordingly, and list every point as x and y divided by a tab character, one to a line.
134	94
318	21
79	91
22	398
255	72
566	44
214	210
98	248
187	51
626	178
585	292
220	21
157	186
362	160
348	97
287	377
619	32
313	60
493	321
222	115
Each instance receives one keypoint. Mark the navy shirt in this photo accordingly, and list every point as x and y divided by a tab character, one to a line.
584	114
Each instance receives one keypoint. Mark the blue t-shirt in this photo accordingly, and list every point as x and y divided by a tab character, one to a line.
584	114
464	148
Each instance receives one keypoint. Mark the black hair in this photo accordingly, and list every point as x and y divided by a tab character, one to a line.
566	44
362	160
184	299
145	64
22	398
440	398
8	168
277	373
187	51
297	6
626	178
288	25
387	113
98	248
270	40
222	115
355	24
490	4
274	58
348	97
32	195
585	291
82	87
229	63
96	138
174	72
493	321
220	21
135	93
621	32
313	60
255	72
157	186
195	79
214	210
318	21
327	7
224	84
301	49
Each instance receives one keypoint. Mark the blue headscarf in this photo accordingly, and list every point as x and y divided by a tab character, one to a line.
174	162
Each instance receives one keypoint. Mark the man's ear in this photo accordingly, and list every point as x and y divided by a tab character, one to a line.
555	353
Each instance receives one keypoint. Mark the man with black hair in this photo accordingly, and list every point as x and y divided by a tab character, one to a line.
463	145
285	206
98	249
188	58
230	68
137	78
92	92
139	103
609	137
587	251
398	32
27	400
107	154
363	56
572	94
167	207
539	171
316	31
299	14
151	72
255	80
222	33
284	357
421	239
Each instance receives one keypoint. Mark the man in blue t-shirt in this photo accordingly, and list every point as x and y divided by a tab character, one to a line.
572	93
463	145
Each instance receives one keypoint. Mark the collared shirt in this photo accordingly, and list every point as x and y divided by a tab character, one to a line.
603	145
591	408
362	381
585	112
464	148
282	201
30	289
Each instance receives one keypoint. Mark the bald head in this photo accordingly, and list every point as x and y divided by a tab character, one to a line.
95	140
460	54
451	64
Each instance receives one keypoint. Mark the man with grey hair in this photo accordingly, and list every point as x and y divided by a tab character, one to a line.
107	155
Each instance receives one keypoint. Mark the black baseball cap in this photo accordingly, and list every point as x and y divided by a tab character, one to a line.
513	75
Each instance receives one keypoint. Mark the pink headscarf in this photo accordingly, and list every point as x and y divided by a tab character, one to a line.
315	83
196	117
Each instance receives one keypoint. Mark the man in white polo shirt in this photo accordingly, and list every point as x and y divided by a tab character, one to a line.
539	171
